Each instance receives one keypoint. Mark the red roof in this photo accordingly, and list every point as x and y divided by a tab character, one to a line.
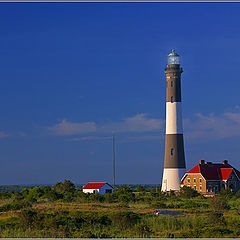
194	170
225	172
94	185
214	171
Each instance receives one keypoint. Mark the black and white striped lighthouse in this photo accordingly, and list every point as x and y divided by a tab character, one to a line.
174	162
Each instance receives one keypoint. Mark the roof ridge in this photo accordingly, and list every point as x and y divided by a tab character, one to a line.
218	173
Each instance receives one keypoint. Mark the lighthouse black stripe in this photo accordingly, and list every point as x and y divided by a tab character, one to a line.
173	90
174	151
173	72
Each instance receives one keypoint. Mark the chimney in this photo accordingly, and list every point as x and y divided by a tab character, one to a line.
201	162
225	162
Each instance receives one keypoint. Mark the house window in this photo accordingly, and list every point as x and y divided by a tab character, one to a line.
200	187
195	187
216	188
200	180
172	99
194	180
108	191
172	83
188	180
172	151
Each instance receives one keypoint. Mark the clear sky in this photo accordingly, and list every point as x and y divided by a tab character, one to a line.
71	74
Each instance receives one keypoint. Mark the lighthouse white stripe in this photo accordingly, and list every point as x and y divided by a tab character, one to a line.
171	178
174	118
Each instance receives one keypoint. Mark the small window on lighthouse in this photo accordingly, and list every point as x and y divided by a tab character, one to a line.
172	151
172	83
171	99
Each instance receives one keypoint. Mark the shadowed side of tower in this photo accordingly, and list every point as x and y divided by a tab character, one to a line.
174	161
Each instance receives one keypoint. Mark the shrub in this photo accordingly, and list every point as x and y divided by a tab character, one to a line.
140	188
219	204
215	218
226	193
28	218
143	230
89	218
215	231
96	197
124	220
188	192
14	206
158	204
5	195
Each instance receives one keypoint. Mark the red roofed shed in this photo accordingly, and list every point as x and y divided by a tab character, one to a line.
98	187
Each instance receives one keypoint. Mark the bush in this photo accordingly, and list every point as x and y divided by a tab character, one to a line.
96	197
219	204
28	218
14	206
140	188
143	230
215	218
188	192
158	204
124	220
226	193
89	218
5	195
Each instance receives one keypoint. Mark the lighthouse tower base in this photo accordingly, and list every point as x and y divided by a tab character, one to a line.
172	179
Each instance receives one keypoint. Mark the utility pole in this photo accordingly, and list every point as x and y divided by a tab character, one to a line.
114	159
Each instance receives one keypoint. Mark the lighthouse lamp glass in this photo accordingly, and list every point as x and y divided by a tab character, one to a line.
173	60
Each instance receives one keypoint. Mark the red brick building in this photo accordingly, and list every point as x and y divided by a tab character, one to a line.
210	178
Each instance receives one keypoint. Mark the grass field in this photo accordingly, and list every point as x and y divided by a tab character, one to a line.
68	213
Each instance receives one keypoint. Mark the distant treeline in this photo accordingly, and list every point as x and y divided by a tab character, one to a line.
21	187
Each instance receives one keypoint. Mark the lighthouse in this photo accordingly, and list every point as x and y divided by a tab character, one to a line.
174	161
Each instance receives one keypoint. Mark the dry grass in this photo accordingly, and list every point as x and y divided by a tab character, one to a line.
98	207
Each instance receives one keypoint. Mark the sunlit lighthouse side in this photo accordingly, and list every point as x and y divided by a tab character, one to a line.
174	161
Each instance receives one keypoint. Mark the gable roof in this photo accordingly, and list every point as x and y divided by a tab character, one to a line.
214	171
225	172
95	185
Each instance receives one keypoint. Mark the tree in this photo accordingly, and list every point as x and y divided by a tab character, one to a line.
16	196
66	186
35	193
124	189
65	190
140	188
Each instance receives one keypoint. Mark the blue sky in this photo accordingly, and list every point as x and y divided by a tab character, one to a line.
71	74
